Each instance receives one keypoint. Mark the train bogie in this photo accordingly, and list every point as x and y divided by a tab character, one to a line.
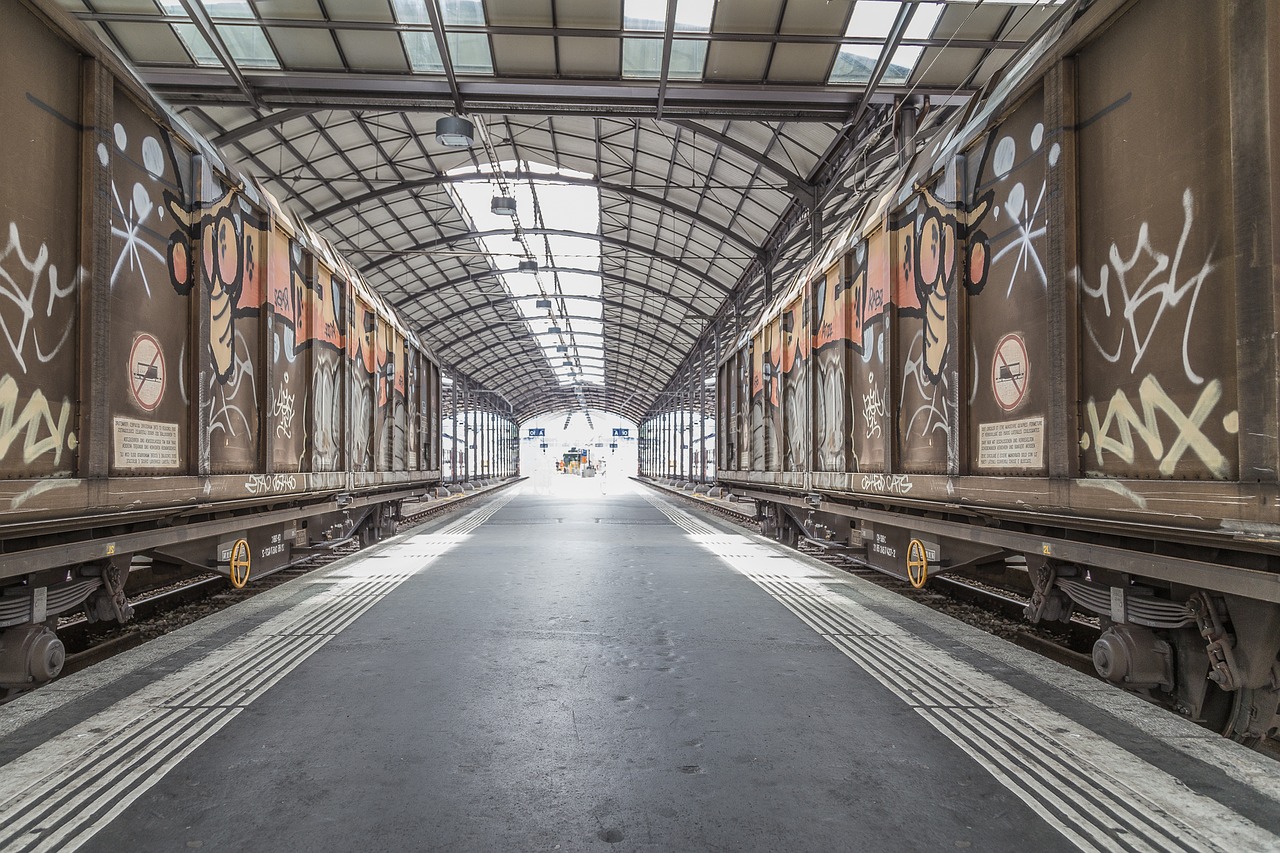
1050	337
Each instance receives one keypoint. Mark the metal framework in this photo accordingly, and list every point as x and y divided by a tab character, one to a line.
720	150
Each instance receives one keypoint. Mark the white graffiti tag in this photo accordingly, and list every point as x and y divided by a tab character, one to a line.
894	484
260	484
22	287
1160	290
35	423
875	407
931	412
1115	432
282	409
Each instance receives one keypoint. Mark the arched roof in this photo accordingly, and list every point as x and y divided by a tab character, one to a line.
712	132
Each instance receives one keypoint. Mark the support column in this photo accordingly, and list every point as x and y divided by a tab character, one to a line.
453	407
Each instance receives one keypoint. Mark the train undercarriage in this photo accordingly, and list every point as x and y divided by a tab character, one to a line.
1184	624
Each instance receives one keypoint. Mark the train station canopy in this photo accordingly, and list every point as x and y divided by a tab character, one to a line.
563	196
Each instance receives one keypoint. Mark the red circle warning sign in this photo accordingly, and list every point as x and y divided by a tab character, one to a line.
146	372
1009	372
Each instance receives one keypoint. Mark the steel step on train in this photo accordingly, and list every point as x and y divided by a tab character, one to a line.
189	376
1051	338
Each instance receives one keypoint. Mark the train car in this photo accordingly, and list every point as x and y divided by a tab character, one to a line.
1049	343
189	377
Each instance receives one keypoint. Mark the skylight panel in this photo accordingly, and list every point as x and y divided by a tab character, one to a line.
922	22
575	310
854	63
642	58
903	63
644	14
470	53
226	8
872	19
462	13
694	16
411	11
247	45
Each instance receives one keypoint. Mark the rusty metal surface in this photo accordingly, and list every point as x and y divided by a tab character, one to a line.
39	249
1155	275
1003	262
950	286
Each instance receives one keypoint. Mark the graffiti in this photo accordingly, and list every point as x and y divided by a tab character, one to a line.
140	207
225	412
1027	221
1115	432
326	422
931	413
361	420
830	409
35	423
30	284
228	264
1026	232
282	409
894	484
261	484
930	236
1148	284
875	407
38	489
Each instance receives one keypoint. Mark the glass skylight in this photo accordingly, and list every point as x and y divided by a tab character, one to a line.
575	320
247	44
873	19
692	16
469	52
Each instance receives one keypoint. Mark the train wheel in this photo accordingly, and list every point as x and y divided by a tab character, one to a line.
1227	711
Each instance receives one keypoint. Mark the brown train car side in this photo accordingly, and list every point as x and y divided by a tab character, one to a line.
1051	338
184	366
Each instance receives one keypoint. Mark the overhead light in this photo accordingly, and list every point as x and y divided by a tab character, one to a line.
528	266
503	205
555	330
568	363
542	303
454	131
562	348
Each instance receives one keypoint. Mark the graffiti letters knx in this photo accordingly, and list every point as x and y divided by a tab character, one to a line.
41	426
1167	440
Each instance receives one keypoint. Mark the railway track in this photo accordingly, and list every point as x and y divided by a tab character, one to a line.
994	610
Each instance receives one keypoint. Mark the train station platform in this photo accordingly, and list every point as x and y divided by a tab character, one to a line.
583	664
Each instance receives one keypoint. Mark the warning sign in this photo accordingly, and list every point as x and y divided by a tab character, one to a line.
1011	444
1009	372
142	444
146	372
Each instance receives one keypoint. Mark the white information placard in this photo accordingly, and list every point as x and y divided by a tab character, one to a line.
144	444
1011	444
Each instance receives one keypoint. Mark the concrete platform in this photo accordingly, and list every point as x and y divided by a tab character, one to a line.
565	669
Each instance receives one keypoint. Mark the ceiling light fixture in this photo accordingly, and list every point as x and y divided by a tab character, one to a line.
455	132
503	205
528	266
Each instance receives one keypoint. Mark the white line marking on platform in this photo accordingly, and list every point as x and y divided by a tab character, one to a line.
1095	793
60	794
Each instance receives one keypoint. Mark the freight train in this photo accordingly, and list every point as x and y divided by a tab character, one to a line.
189	376
1048	343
